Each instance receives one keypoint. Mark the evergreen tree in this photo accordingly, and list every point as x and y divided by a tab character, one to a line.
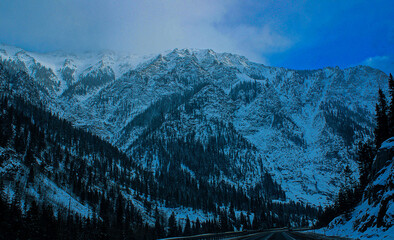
365	158
256	222
29	157
197	229
242	220
188	230
232	213
33	220
391	106
223	221
1	187
30	178
382	128
119	211
172	225
158	228
348	177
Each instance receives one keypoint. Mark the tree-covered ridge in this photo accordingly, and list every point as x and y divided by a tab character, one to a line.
108	181
351	194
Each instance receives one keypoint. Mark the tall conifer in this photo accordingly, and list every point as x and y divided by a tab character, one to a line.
382	128
391	106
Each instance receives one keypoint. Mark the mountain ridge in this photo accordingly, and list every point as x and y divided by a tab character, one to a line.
300	122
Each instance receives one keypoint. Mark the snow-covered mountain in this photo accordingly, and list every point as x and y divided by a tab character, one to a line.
299	126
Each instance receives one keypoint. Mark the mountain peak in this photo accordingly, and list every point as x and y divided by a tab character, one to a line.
290	117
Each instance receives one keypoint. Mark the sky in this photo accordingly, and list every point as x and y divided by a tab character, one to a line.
293	34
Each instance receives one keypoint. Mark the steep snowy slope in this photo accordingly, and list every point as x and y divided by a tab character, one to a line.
300	125
44	159
373	218
306	123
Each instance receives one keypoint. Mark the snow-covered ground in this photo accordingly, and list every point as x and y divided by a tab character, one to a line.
373	218
41	189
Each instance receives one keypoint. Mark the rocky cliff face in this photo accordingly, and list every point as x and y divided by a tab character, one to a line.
385	154
297	125
373	218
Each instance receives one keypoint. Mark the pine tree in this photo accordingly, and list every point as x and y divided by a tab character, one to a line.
365	158
188	230
29	157
256	222
33	220
119	211
197	229
223	221
382	128
391	106
173	228
158	228
242	221
30	178
232	213
348	177
1	187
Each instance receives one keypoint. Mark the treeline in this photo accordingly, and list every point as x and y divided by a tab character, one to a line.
93	80
105	179
384	115
245	91
153	116
351	195
87	168
40	221
175	154
345	122
109	182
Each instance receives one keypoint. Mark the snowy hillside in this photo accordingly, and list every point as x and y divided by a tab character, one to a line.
52	170
297	125
373	218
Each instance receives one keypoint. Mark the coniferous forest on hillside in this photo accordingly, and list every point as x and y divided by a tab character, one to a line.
351	195
59	181
96	173
179	120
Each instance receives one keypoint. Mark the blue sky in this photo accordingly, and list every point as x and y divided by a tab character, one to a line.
292	34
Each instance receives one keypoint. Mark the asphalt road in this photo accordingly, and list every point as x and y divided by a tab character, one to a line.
272	236
283	235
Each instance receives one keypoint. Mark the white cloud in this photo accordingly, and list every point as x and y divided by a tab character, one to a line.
384	63
154	26
256	41
141	27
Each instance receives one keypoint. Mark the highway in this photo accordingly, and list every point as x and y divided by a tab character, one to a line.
283	235
269	234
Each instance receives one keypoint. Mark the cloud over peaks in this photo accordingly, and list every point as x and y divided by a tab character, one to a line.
384	63
140	27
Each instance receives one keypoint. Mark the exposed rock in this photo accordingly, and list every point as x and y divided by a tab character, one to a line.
385	154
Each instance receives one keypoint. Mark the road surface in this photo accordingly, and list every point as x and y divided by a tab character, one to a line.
283	235
271	234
